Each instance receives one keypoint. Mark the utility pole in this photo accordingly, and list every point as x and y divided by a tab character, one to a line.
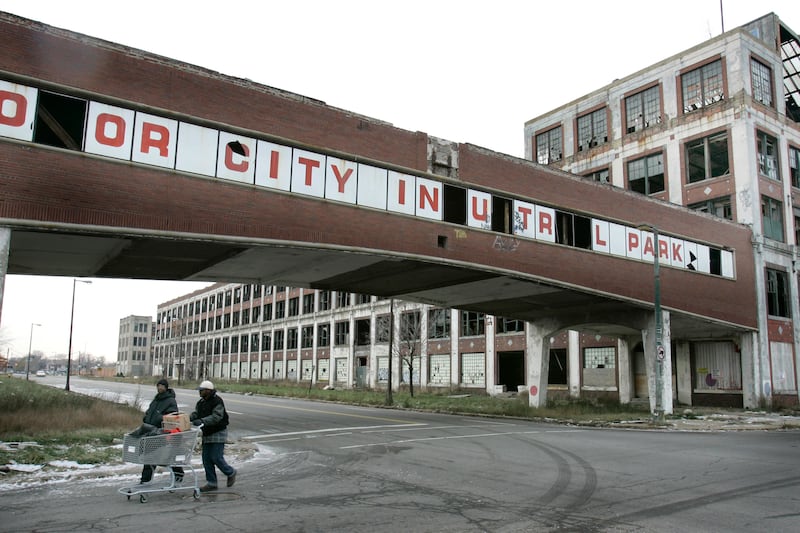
389	399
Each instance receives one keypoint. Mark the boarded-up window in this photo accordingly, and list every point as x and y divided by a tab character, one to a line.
782	366
717	366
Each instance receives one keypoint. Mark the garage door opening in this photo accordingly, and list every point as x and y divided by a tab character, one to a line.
511	369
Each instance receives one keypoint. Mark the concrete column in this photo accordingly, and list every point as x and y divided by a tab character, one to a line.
624	372
5	247
455	334
423	347
574	365
751	396
489	353
683	372
649	342
537	341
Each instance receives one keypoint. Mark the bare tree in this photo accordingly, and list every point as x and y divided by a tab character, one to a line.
409	344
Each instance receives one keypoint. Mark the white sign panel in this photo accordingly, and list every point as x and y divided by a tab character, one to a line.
429	199
308	173
17	110
155	140
479	209
273	166
401	193
197	149
372	186
109	131
236	158
341	179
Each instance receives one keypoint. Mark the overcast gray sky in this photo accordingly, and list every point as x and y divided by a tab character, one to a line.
461	70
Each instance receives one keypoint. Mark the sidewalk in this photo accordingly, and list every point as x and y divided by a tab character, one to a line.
708	419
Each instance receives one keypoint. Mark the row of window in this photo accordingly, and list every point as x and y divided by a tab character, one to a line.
700	87
472	324
240	294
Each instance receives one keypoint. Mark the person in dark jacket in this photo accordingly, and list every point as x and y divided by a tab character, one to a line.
164	403
211	414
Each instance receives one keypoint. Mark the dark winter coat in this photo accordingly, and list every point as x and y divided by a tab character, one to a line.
212	413
163	403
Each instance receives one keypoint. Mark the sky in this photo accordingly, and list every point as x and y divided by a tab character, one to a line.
461	70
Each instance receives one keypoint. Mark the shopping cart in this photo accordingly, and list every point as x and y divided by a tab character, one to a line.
168	450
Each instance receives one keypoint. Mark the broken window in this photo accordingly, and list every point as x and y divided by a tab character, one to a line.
592	130
794	166
59	121
323	335
761	79
382	328
603	175
501	214
646	175
280	309
772	218
778	293
410	326
307	337
342	299
707	158
294	306
719	207
455	205
324	300
308	303
768	156
342	333
702	86
548	146
573	230
267	312
278	341
509	325
439	324
362	332
291	339
643	110
266	341
472	324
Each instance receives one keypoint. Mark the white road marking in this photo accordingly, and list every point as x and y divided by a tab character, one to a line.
317	431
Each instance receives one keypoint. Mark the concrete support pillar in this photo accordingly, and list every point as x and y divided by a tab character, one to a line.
624	372
574	365
751	383
455	334
538	360
423	347
489	353
5	246
683	372
652	362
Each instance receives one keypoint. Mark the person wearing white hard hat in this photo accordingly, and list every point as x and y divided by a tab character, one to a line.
210	413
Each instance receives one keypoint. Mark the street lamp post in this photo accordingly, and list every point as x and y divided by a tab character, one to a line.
660	354
71	322
30	344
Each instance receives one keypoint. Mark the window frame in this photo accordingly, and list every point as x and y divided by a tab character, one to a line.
765	142
597	129
707	144
760	75
706	94
771	205
546	155
643	99
647	178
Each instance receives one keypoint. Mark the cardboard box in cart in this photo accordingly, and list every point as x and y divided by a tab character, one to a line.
178	421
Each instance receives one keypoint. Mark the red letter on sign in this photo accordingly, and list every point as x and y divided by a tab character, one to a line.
155	136
475	214
677	254
342	180
21	109
633	241
273	164
401	192
103	119
425	195
525	212
597	239
310	164
230	164
545	223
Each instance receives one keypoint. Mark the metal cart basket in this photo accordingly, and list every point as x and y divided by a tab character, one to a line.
168	449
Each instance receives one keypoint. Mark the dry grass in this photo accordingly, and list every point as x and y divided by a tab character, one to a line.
30	411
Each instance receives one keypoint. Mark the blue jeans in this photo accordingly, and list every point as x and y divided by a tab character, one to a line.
212	456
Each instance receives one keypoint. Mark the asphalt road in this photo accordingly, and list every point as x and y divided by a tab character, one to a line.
337	468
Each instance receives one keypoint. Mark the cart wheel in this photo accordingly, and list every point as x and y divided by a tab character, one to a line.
142	499
196	494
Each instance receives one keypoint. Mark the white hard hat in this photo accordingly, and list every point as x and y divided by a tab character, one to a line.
206	385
